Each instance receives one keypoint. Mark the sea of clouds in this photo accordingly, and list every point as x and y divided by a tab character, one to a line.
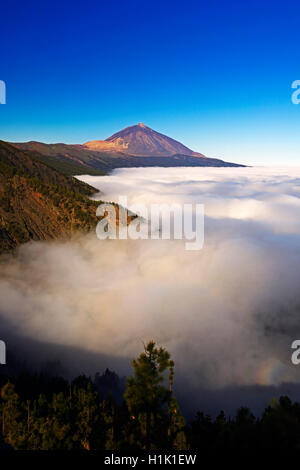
228	313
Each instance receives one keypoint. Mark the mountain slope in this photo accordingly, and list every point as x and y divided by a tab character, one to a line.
39	203
135	146
66	166
65	157
140	140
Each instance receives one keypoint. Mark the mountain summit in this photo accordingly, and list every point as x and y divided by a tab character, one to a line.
140	140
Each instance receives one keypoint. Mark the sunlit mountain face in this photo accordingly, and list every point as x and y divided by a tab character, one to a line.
141	140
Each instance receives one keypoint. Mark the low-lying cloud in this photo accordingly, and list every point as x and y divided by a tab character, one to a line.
228	313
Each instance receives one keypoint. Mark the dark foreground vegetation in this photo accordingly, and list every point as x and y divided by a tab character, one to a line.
39	412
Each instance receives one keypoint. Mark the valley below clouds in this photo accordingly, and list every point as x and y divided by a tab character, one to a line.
228	313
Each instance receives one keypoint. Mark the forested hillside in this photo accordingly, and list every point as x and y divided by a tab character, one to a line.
38	202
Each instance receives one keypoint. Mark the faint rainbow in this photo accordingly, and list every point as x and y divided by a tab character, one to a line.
270	372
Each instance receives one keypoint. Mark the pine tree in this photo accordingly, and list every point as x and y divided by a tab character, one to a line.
56	428
13	421
87	412
108	409
149	401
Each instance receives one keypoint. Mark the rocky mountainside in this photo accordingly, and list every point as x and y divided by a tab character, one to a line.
38	202
135	146
140	140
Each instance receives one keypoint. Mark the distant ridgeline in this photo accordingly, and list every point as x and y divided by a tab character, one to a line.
134	146
38	202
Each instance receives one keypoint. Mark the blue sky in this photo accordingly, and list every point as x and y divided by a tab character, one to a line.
215	75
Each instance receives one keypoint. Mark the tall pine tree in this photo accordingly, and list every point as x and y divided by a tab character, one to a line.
150	402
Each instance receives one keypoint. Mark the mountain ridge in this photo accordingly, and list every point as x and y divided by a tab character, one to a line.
134	146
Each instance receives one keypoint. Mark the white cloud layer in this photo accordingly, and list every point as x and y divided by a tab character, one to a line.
227	313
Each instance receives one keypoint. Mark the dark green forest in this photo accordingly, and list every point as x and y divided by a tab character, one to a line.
43	412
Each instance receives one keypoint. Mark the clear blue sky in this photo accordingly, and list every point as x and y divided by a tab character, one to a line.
215	75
